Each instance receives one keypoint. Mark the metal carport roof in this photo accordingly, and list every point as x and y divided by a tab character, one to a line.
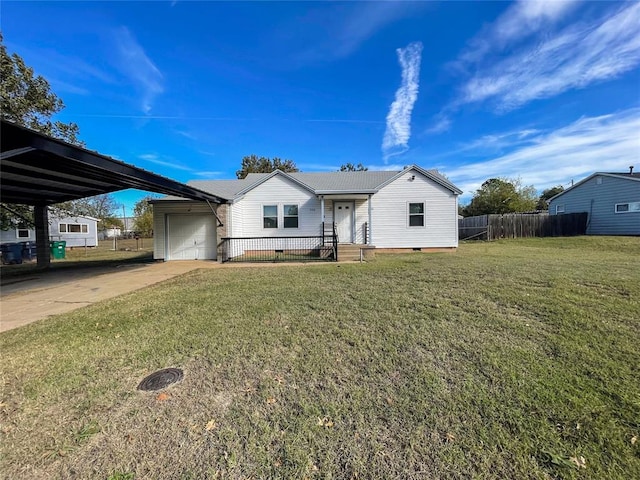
36	169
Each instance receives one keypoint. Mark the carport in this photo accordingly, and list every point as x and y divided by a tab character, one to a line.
38	170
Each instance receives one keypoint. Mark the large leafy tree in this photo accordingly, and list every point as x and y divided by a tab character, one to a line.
543	200
143	212
103	207
499	195
255	164
350	167
26	99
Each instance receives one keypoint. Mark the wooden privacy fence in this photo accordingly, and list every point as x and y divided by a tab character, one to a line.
518	225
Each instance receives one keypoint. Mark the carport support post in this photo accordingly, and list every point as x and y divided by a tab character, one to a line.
43	251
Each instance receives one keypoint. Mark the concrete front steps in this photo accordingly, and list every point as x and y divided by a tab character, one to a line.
349	252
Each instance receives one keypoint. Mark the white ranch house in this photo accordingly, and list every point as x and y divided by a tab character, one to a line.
76	230
412	209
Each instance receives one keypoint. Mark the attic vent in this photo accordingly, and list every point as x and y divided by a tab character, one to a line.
599	181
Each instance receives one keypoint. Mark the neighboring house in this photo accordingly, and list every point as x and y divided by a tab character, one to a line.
129	224
409	209
107	233
612	201
77	231
17	234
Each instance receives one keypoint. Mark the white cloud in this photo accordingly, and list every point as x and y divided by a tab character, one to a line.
337	31
518	22
134	63
442	124
65	72
544	159
153	158
575	57
396	137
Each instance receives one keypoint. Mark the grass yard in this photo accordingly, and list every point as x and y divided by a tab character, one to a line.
511	359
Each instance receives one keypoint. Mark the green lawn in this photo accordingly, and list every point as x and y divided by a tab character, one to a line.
511	359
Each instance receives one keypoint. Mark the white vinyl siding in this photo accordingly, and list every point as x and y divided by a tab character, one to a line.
247	212
391	228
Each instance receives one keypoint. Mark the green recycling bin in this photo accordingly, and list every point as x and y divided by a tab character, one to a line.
58	249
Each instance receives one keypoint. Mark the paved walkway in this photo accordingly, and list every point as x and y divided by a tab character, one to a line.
34	297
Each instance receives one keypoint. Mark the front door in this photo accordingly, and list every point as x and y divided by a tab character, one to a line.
343	216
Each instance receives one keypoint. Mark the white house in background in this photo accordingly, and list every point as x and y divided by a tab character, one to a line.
77	231
412	209
107	233
612	201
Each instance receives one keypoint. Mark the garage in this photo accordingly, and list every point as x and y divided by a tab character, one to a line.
191	237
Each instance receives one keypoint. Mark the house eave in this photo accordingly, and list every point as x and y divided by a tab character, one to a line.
446	184
345	192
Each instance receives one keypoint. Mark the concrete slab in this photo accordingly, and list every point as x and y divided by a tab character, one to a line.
26	299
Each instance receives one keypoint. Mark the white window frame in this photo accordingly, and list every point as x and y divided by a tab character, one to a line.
18	230
84	228
559	209
285	216
277	216
632	207
423	214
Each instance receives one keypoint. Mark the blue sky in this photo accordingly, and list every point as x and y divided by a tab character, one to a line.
542	91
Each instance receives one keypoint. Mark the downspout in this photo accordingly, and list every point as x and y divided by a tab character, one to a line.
215	214
369	239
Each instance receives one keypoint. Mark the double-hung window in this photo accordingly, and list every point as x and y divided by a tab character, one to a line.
270	216
416	214
291	216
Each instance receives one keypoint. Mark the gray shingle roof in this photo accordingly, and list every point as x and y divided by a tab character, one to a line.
319	182
344	182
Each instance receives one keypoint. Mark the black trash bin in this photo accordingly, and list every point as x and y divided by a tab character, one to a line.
11	253
29	251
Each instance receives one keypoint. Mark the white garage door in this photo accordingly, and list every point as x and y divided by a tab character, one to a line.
191	237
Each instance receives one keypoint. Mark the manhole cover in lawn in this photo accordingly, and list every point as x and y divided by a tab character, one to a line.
160	379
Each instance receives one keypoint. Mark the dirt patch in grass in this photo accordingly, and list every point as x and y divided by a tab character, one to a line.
505	360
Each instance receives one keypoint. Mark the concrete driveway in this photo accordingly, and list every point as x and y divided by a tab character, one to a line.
26	299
